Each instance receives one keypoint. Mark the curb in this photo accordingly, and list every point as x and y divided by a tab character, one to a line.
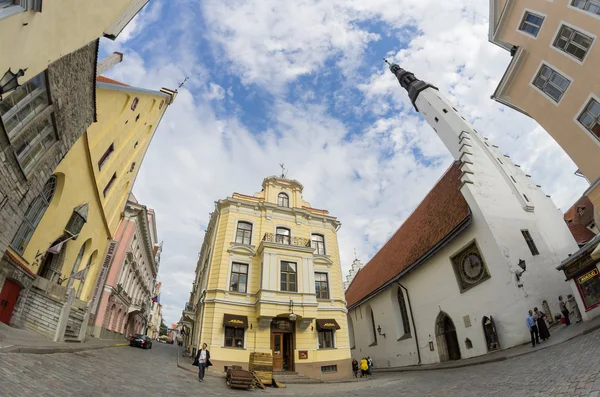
488	361
55	350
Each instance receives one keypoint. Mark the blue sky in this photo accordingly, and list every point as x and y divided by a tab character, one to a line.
304	83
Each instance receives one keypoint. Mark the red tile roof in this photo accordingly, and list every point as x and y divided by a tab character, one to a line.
581	233
103	79
582	212
440	213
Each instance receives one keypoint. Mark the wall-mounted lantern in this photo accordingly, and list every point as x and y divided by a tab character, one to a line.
10	81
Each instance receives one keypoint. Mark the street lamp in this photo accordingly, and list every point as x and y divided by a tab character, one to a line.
292	316
10	81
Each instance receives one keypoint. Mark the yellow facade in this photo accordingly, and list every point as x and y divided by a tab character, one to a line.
36	39
264	302
84	177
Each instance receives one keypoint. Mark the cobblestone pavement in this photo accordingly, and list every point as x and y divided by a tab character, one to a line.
569	369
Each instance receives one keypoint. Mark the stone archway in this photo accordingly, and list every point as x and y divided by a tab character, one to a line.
446	338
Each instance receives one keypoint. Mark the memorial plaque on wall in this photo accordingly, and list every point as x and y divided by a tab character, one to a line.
303	354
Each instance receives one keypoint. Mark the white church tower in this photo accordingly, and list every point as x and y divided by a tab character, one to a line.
354	269
457	279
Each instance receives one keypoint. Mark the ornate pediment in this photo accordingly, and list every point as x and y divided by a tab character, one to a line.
241	249
322	260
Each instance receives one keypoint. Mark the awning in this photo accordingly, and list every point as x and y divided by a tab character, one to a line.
232	320
327	324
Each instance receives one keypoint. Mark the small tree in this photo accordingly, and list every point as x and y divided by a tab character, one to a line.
163	329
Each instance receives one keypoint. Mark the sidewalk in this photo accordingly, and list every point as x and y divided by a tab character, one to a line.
559	334
14	340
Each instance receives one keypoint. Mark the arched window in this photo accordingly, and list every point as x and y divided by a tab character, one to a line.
33	216
373	330
318	243
283	200
403	312
243	234
351	332
78	259
282	235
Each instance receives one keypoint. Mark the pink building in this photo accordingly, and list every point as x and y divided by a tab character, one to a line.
125	303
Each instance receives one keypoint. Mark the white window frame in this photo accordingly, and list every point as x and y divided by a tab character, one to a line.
579	30
10	10
555	69
243	260
582	11
536	13
576	118
252	233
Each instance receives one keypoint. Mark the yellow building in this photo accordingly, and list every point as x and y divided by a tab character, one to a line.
269	280
71	228
552	76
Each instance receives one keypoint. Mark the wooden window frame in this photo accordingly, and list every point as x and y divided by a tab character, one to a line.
282	238
319	290
287	274
283	200
245	233
318	245
322	339
234	338
238	273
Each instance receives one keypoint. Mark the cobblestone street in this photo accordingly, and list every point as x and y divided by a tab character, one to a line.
569	369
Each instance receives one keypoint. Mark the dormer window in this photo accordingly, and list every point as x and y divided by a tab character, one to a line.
283	200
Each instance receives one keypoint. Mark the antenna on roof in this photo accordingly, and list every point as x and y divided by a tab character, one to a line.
355	258
283	170
182	83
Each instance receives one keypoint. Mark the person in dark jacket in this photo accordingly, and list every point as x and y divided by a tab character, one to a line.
202	360
540	319
355	368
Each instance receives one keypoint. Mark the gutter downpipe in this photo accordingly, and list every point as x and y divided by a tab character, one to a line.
412	319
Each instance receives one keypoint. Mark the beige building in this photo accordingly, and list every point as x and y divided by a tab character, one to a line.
553	74
269	280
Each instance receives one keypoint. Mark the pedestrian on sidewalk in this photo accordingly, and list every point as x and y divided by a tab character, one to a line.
533	330
364	368
202	360
574	307
370	362
540	319
355	367
564	310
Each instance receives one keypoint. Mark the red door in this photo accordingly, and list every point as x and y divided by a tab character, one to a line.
8	298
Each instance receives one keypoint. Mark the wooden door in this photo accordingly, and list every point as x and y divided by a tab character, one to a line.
8	299
277	344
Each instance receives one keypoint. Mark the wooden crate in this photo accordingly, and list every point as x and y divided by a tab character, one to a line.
262	364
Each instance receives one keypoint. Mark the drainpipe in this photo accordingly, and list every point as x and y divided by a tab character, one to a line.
412	319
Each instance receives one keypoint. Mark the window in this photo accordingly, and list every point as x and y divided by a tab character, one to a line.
161	104
573	42
318	242
326	339
234	337
288	276
590	118
244	233
78	260
321	286
531	23
373	330
403	312
282	235
109	184
132	167
24	104
591	6
239	277
36	142
530	242
283	200
525	197
33	215
328	368
500	161
7	3
106	156
135	102
513	179
551	83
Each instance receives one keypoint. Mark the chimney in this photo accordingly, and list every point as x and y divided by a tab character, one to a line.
108	62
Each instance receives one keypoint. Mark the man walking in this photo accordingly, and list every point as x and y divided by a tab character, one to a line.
203	361
533	329
564	310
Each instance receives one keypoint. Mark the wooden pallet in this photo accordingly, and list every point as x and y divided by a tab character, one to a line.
262	365
239	379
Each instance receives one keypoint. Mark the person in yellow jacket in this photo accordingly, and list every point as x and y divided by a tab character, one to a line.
364	367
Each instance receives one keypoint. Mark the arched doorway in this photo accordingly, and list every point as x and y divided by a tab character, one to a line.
491	335
447	340
8	299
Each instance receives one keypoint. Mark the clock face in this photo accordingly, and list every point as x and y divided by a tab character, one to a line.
471	267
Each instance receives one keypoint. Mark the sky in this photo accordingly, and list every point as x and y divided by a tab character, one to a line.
304	83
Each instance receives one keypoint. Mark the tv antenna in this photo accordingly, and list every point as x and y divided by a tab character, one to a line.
182	83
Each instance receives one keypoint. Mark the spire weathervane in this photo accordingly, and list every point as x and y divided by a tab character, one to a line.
283	170
182	83
409	82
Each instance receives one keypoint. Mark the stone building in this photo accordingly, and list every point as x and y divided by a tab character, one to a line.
125	305
68	246
269	279
54	61
155	313
552	74
458	277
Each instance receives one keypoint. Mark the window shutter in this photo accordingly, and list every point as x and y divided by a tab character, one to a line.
32	5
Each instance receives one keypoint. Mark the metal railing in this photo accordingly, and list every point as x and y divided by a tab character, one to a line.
286	240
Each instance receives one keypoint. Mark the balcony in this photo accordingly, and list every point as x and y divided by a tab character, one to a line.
286	240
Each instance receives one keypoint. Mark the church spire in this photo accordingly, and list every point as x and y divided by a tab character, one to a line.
409	82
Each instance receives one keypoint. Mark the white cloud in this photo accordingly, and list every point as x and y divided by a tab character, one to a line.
371	180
